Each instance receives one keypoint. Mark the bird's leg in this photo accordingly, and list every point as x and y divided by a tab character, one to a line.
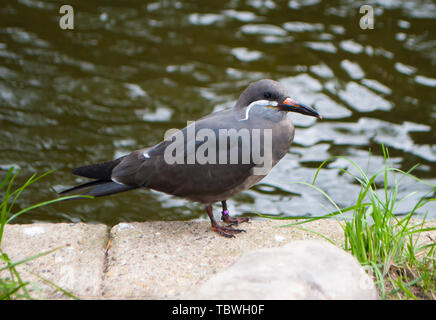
226	231
230	220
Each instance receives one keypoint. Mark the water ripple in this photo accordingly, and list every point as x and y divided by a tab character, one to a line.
132	70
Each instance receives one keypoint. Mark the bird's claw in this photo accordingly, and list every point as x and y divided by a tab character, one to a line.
226	231
234	221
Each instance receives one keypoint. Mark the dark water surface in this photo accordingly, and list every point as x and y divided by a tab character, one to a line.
130	70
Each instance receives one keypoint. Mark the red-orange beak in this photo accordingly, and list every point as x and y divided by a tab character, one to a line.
290	105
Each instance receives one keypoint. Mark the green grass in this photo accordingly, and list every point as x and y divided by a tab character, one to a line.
393	248
13	286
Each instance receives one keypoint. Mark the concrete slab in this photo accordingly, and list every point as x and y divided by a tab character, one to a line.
148	260
76	266
160	260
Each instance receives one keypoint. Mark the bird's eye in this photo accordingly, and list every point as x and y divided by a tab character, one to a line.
267	95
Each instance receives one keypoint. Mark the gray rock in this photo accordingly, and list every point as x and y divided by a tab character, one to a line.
76	266
167	259
161	260
304	269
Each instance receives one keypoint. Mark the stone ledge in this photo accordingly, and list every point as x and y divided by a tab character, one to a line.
76	266
160	260
147	260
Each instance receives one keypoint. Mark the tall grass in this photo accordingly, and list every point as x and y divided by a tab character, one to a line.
14	287
393	247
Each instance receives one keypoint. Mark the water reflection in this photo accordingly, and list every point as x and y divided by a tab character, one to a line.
132	70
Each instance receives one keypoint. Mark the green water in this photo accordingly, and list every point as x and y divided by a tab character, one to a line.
130	70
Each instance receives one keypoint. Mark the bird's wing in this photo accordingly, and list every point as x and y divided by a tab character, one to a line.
149	167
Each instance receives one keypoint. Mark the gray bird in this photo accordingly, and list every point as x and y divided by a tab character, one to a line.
211	159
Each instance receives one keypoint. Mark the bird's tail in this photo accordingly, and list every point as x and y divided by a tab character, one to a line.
97	188
102	185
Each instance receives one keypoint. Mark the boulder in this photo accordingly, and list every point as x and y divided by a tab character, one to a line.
303	269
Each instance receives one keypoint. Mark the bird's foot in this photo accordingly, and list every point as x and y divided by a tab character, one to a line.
231	220
226	231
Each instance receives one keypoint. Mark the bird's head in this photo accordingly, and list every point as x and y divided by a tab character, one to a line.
271	94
